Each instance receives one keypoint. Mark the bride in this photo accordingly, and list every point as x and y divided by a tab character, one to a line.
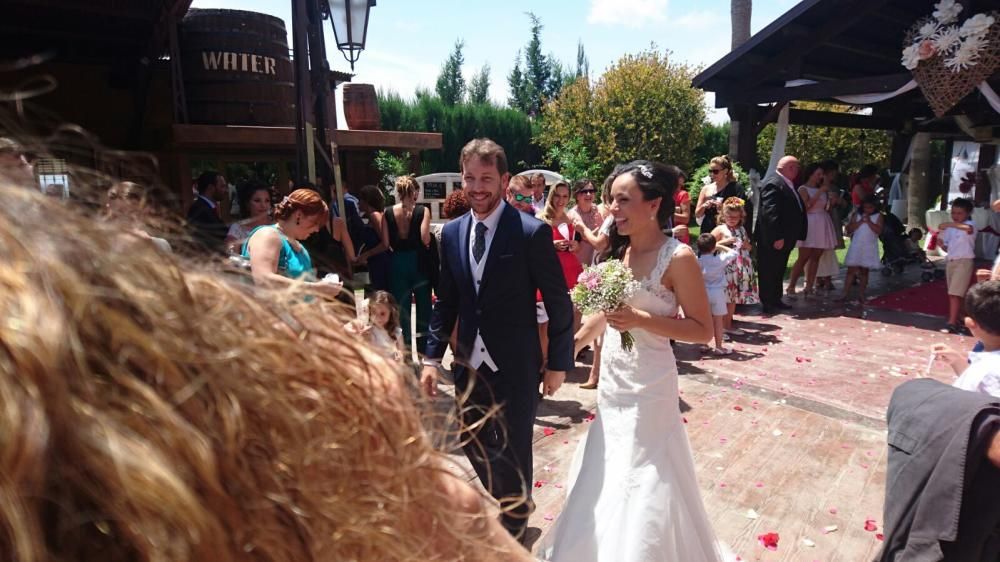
633	495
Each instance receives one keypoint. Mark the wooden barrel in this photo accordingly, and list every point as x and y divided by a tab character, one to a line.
236	68
361	107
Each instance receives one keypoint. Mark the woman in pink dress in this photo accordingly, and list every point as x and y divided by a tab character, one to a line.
819	236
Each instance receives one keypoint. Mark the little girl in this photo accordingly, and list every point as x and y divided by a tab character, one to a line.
378	320
741	283
862	255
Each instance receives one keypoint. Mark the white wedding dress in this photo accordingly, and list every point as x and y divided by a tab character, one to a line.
633	495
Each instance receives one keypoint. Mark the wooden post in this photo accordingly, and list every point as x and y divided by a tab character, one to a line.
987	157
945	187
744	149
900	145
919	178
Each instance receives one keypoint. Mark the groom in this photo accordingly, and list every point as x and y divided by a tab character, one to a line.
494	259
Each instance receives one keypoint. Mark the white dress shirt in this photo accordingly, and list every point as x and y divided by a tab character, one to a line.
480	354
958	243
982	374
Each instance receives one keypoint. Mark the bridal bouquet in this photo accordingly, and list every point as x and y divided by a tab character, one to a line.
604	288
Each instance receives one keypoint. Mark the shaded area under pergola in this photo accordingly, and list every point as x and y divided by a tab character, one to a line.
848	47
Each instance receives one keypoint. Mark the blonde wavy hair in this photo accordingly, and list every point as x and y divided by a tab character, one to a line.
406	187
153	409
548	214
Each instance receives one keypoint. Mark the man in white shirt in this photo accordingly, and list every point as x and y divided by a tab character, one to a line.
493	261
538	189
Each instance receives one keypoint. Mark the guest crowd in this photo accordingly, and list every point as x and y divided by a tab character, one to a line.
170	493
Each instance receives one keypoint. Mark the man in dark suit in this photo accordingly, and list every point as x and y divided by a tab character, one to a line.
203	216
493	261
779	222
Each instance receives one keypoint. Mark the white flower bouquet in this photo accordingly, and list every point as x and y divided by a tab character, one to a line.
605	287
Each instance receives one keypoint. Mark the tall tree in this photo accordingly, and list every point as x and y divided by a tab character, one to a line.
582	63
479	86
520	88
739	15
537	67
559	76
450	85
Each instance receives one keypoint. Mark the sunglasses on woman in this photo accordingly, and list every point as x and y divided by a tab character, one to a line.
714	171
586	192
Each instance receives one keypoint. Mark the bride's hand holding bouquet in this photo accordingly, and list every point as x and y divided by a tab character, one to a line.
605	288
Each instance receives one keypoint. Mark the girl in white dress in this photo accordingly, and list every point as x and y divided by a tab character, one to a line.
862	256
378	321
633	493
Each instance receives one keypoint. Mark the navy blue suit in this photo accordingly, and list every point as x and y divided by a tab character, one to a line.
521	260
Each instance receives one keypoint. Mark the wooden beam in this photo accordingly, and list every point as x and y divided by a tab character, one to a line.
849	14
819	91
235	138
842	120
867	49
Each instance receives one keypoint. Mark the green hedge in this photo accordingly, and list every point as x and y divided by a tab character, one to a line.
458	124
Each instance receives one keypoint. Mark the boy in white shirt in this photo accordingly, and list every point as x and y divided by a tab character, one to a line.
713	268
980	372
958	238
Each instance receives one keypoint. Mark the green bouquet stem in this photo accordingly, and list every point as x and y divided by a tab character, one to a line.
627	341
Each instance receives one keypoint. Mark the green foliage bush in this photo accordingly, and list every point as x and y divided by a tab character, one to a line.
458	124
852	148
642	107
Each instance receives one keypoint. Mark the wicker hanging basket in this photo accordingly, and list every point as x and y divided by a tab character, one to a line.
943	87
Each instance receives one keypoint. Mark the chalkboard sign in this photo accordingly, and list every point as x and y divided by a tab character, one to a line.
435	190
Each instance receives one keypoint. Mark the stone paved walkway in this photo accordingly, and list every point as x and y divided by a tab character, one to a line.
788	435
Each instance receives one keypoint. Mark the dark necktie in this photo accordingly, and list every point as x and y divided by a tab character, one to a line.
479	246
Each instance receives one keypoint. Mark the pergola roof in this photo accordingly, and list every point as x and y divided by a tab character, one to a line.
88	31
849	47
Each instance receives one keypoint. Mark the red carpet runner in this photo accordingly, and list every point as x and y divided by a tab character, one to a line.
926	298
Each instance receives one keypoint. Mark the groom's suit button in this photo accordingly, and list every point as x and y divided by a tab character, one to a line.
479	312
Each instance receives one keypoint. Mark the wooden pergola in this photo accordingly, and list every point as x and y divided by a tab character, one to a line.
848	47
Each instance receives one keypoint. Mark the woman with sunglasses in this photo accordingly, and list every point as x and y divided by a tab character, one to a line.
723	187
586	218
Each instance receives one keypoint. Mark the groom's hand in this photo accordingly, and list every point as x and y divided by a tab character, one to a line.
779	245
428	380
552	381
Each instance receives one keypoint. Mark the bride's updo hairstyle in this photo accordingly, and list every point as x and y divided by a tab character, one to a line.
656	181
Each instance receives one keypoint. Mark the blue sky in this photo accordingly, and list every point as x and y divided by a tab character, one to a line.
408	40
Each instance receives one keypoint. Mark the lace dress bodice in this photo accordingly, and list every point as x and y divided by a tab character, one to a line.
627	375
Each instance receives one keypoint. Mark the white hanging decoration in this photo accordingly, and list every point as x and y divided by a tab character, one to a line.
946	11
959	45
966	54
977	25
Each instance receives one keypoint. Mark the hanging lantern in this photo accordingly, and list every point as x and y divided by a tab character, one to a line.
350	26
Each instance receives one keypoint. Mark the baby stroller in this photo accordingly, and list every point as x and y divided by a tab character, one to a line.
900	249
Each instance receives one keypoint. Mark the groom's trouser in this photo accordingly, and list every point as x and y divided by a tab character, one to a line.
498	413
771	266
